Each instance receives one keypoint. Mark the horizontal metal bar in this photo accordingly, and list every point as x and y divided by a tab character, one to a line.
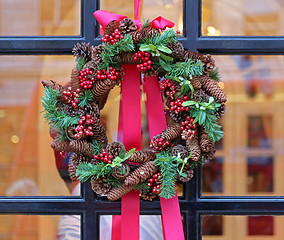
233	45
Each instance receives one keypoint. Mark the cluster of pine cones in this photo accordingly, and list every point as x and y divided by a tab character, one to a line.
140	167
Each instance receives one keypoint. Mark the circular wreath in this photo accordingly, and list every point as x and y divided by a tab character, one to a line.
193	100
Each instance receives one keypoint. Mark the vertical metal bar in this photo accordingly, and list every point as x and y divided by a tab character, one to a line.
88	21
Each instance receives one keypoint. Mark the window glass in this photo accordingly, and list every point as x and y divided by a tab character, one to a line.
242	18
27	162
254	134
169	9
39	17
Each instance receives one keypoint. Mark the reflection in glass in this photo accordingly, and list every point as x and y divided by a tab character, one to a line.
169	9
260	225
254	133
212	225
40	18
242	18
21	227
260	174
259	131
212	173
27	163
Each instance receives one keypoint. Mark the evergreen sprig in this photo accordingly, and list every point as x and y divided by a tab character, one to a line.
142	187
85	97
110	50
59	119
163	39
169	171
86	171
96	147
204	113
214	74
80	63
186	69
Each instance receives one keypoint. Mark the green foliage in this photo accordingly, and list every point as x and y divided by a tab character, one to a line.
143	187
146	23
80	63
204	114
214	74
122	157
169	170
112	181
85	171
186	69
59	119
85	97
97	147
164	39
124	45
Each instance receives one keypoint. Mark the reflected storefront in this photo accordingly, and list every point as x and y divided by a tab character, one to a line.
249	160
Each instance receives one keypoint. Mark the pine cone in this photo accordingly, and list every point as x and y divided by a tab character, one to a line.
171	132
117	193
67	108
75	81
99	132
70	133
95	55
149	32
193	145
82	146
152	72
83	50
148	196
91	108
126	26
117	171
205	142
114	148
189	174
221	111
142	156
210	155
92	65
199	96
207	61
136	36
78	158
126	58
99	187
111	27
61	146
180	150
53	132
52	84
195	83
177	49
211	87
72	171
140	174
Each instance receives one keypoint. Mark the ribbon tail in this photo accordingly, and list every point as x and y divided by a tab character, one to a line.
171	217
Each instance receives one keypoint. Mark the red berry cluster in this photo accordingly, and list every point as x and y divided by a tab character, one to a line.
111	74
103	156
145	58
72	97
177	107
167	85
85	81
154	182
84	128
158	144
113	38
188	128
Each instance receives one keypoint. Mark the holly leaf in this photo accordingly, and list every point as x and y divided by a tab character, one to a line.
202	117
145	48
188	103
122	153
164	65
129	153
152	47
165	49
166	58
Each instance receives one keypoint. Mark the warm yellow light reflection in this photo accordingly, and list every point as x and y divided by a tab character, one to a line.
15	139
2	113
213	31
221	85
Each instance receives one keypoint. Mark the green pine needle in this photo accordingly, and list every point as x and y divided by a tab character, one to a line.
59	119
86	97
86	171
164	39
146	23
80	63
97	147
214	74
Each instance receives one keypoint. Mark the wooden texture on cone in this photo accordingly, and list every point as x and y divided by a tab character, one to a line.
117	193
193	145
142	156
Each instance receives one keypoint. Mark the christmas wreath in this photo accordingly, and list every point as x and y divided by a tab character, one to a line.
192	99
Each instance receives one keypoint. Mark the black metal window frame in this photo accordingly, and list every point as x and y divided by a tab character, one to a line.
193	205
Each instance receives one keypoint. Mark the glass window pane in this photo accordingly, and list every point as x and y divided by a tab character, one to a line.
242	227
40	18
242	18
169	9
253	125
26	227
27	162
